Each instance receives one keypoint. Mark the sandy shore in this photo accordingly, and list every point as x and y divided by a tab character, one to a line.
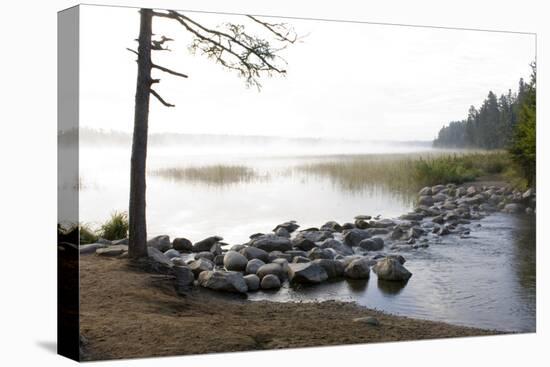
128	313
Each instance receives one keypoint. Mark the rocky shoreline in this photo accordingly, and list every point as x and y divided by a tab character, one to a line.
331	252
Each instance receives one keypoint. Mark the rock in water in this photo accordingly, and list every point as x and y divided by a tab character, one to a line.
252	282
391	269
227	281
255	253
358	269
253	265
206	244
182	245
372	244
333	268
274	269
234	261
270	281
311	272
161	243
271	242
352	237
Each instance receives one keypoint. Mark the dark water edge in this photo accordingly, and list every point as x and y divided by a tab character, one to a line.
485	281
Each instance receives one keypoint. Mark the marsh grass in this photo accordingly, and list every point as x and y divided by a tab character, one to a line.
406	173
216	175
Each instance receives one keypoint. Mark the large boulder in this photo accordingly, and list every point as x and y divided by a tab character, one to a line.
372	244
253	265
159	257
311	272
227	281
255	253
354	236
336	245
184	277
90	248
111	251
200	265
319	253
289	226
252	282
161	243
235	261
303	244
358	269
270	281
206	244
273	268
333	268
271	242
182	245
391	269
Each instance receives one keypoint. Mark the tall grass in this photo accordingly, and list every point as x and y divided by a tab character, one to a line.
116	227
217	175
407	172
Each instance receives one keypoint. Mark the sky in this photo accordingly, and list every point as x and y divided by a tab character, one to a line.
343	81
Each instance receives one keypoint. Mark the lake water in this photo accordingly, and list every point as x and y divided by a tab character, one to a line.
486	281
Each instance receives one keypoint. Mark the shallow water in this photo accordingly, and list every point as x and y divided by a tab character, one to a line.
485	281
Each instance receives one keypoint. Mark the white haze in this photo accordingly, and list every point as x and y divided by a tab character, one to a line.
350	81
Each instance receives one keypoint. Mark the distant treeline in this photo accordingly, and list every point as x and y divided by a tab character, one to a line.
507	122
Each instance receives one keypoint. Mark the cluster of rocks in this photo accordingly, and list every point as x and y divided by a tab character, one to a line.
332	251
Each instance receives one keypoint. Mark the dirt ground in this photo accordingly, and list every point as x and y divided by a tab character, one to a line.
128	313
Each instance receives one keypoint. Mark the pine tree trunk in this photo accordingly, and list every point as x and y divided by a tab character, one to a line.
137	219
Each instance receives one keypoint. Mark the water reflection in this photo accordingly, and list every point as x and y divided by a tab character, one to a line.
390	288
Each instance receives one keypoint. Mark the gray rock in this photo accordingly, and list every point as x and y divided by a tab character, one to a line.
216	248
161	243
312	273
439	198
383	223
273	255
412	216
90	248
252	282
333	268
159	257
178	261
362	217
358	269
253	265
527	194
391	269
353	237
182	245
314	235
184	277
255	253
172	253
235	261
426	191
425	200
295	253
319	253
437	188
372	244
301	259
471	191
227	281
282	232
206	244
303	243
218	260
272	268
123	241
290	226
111	251
238	248
270	281
513	208
271	242
205	255
200	265
338	246
331	226
361	224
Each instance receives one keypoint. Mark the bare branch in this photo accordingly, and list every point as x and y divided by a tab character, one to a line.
277	29
133	51
153	92
169	71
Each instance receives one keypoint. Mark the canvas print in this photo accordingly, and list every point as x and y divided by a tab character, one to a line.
236	182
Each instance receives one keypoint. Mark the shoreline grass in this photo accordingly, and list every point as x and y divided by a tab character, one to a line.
217	175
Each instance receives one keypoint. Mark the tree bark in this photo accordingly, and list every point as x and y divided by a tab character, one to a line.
137	217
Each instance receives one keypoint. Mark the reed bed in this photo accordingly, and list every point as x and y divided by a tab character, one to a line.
217	175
